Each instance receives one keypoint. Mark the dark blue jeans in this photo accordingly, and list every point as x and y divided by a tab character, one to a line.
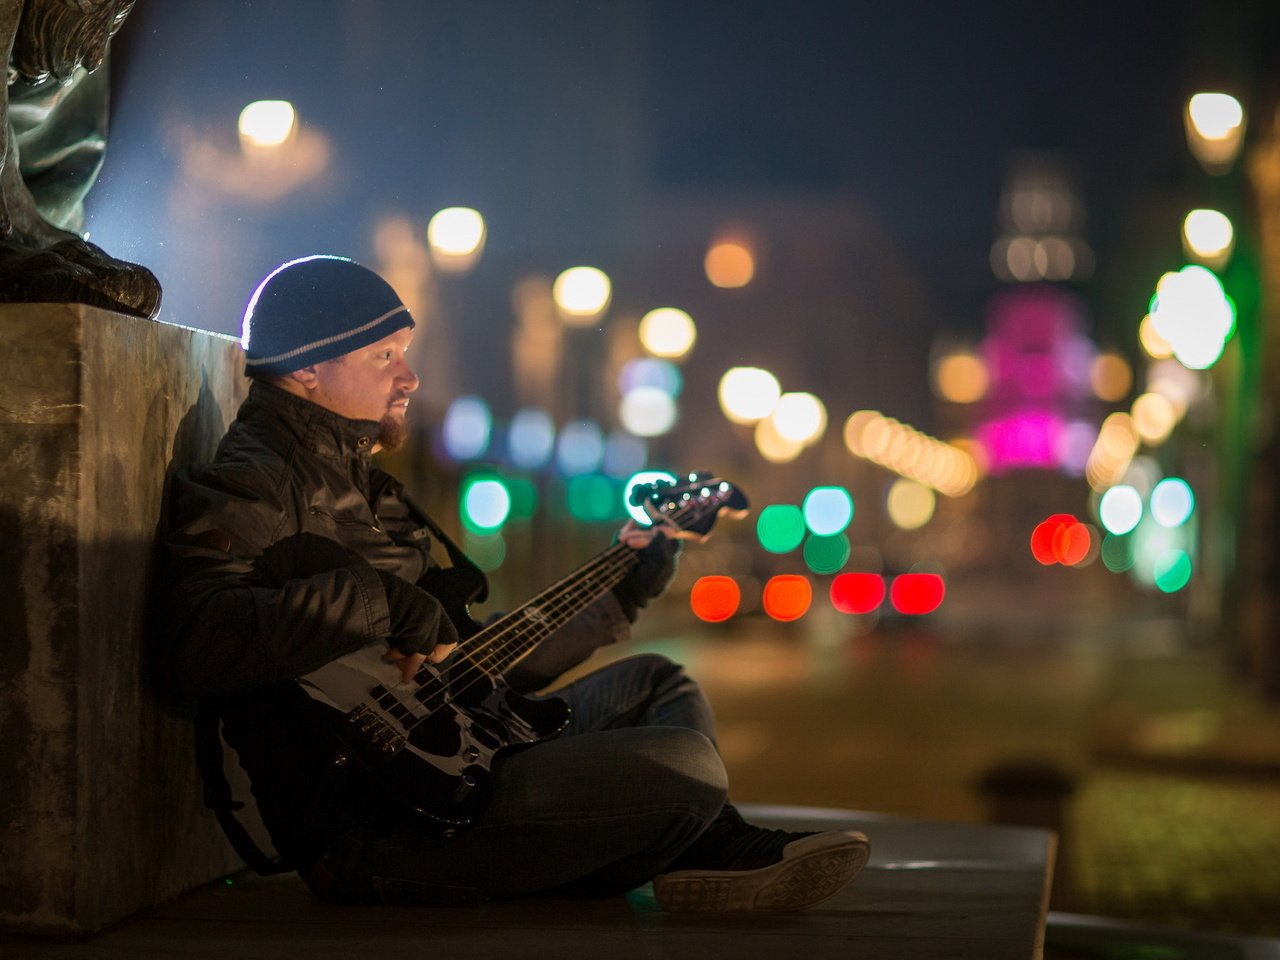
599	810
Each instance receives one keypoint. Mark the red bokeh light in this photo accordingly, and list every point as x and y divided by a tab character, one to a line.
917	593
787	596
857	592
715	599
1060	538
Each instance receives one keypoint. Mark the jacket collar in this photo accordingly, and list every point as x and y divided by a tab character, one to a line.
317	428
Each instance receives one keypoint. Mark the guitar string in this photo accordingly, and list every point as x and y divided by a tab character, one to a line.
562	600
565	599
564	596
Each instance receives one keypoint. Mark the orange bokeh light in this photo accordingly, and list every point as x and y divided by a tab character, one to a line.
787	596
715	599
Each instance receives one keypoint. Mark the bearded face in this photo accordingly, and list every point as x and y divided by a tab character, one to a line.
55	37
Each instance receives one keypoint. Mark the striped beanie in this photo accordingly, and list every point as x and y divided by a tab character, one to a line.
314	309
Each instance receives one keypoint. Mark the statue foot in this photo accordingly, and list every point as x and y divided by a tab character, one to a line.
75	271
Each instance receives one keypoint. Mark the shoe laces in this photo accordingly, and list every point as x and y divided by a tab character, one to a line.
730	843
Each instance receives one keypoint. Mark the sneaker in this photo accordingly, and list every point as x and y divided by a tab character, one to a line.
737	866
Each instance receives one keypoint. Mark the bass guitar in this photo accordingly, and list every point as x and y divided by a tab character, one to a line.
432	740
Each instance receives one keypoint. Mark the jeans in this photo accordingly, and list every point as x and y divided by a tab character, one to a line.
601	809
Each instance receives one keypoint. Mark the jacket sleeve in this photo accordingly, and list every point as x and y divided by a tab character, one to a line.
600	623
235	607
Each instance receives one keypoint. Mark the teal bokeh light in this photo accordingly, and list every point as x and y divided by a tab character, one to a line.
827	510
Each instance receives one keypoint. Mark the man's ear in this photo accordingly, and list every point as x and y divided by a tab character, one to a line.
305	377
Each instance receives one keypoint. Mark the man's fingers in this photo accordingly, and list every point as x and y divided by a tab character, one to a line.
408	664
441	651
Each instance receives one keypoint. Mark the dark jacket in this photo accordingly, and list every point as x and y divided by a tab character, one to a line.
272	551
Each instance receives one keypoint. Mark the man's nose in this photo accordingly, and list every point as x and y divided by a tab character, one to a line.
407	379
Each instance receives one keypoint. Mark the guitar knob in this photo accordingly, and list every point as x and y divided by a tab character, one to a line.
471	754
465	783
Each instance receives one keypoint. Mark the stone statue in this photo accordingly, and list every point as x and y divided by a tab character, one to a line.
52	139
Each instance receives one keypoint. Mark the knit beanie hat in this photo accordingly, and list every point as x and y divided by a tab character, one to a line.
315	309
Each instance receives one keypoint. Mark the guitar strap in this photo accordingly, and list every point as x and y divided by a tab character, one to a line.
217	792
476	583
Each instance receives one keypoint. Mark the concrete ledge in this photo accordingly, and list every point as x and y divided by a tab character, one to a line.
930	891
100	813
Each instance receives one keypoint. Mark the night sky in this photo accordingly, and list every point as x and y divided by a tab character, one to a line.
550	116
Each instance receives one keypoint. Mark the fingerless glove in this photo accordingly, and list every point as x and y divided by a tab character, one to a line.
654	567
418	621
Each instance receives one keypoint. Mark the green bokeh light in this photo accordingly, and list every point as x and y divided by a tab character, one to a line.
826	554
780	527
593	497
1173	571
1117	552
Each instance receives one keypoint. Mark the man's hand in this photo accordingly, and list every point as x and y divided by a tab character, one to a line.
420	629
654	567
410	664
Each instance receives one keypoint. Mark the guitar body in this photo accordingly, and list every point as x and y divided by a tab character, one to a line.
433	741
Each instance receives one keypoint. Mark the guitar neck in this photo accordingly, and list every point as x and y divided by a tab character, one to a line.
509	639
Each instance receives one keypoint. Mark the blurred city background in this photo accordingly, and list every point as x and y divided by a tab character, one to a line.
972	301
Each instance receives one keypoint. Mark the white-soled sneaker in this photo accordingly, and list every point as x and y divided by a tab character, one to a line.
801	871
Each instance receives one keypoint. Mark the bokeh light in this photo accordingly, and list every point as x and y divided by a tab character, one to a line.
487	550
1172	502
455	236
827	510
651	372
647	411
1110	377
485	503
1154	417
667	332
826	554
531	438
714	599
582	294
780	527
915	594
1209	237
1172	570
467	428
961	378
730	264
748	394
1060	538
772	445
580	448
267	123
592	498
858	593
643	477
1117	553
787	597
799	417
910	505
1215	129
1194	315
624	454
1156	346
1120	509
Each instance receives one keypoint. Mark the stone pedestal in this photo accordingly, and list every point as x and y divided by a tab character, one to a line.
100	810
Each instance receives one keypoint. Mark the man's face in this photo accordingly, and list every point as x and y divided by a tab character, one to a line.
371	383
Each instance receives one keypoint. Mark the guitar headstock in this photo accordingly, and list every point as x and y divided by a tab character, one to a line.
691	506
